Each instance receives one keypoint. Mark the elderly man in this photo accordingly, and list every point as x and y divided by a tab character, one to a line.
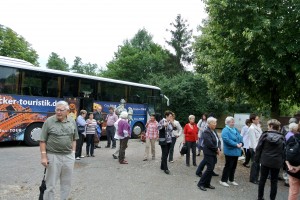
111	118
99	118
57	145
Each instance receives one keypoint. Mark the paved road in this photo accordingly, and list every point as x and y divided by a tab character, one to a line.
103	178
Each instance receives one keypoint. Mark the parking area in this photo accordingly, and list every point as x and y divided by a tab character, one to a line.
102	177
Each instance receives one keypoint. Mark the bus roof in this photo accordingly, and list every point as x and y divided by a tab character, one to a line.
21	64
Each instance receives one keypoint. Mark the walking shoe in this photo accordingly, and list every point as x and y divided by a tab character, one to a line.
223	184
87	155
93	155
107	146
77	158
215	174
114	156
200	174
81	156
210	187
167	171
233	183
123	162
171	161
202	188
245	165
145	159
113	147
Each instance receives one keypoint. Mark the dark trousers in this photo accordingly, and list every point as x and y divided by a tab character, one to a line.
110	134
165	149
206	177
264	172
191	145
229	168
79	144
201	166
247	156
254	171
172	149
90	144
123	147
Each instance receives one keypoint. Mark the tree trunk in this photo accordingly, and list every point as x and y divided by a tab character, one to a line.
275	112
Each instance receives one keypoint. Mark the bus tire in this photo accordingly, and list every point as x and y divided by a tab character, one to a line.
137	129
32	134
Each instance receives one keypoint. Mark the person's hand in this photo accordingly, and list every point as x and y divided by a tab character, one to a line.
239	145
218	152
44	161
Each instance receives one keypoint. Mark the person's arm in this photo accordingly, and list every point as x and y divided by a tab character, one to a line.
80	121
179	128
259	148
185	130
44	159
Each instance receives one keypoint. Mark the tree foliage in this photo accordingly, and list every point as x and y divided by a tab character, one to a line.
81	68
251	48
181	42
55	62
188	94
15	46
138	57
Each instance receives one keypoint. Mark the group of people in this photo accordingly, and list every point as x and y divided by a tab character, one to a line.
62	138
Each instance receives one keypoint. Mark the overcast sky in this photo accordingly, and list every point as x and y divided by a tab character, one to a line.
93	29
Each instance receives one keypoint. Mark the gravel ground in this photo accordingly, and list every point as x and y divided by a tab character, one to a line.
102	177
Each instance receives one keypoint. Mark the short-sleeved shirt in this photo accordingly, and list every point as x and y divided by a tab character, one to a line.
59	135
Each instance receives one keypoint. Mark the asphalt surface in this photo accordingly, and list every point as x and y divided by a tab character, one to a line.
102	177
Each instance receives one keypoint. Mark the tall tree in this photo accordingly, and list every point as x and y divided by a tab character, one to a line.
181	42
15	46
55	62
138	57
252	48
81	68
77	66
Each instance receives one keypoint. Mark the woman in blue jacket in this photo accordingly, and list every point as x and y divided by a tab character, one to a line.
232	144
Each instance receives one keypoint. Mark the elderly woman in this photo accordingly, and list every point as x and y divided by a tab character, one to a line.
81	123
90	133
244	134
190	138
270	153
123	134
232	144
294	171
211	148
293	127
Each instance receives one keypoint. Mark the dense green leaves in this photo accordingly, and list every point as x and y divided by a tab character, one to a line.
15	46
55	62
81	68
251	48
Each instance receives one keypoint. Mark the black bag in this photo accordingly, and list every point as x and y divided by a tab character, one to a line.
293	152
182	148
81	129
162	136
43	186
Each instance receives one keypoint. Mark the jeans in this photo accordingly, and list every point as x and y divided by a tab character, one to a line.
123	147
229	168
110	134
206	177
165	149
172	149
264	172
247	155
254	171
90	144
79	144
191	145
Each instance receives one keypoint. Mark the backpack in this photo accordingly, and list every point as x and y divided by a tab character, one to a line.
293	152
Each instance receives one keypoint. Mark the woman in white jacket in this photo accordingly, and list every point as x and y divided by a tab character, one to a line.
254	134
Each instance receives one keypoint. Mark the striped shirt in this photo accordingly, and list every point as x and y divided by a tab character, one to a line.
91	126
152	130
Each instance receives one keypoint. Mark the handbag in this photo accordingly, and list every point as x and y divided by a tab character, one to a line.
182	148
96	138
81	129
162	136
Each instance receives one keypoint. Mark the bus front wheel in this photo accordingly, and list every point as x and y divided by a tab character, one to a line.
32	134
137	130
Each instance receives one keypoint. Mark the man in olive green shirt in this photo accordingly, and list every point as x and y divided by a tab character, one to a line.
57	145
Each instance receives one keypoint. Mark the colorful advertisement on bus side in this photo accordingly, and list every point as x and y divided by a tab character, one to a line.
17	112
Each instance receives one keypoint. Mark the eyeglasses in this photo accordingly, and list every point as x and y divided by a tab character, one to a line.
60	110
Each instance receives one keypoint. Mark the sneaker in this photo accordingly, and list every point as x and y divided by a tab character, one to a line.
81	156
77	158
114	156
224	184
233	183
171	161
145	159
241	158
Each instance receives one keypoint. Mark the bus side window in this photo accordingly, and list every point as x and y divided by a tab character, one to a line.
26	91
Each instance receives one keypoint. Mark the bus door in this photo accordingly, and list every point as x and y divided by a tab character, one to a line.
86	104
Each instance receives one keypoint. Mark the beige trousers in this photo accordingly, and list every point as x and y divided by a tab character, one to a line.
148	143
294	188
60	168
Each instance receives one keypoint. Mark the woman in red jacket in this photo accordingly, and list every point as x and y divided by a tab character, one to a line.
190	138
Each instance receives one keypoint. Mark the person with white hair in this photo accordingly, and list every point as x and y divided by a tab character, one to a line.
57	146
293	127
211	148
124	134
232	144
190	138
